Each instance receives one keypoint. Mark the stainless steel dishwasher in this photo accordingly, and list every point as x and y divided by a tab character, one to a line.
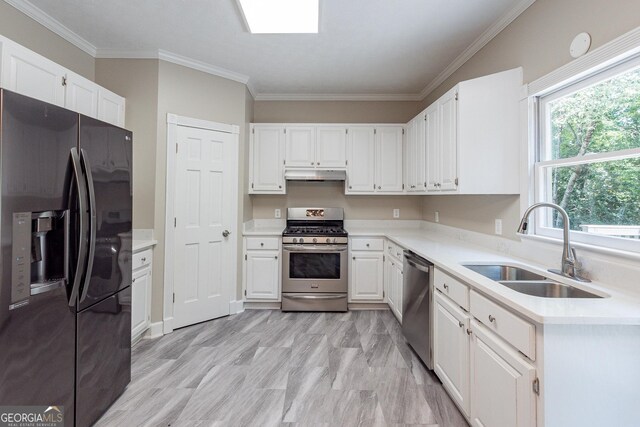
417	306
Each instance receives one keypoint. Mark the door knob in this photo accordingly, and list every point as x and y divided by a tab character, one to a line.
226	233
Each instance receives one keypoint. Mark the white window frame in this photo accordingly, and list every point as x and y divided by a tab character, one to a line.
618	56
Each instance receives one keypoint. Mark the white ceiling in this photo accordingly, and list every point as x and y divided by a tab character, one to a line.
366	49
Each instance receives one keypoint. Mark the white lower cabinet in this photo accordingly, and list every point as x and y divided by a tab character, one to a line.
262	268
394	279
141	293
451	349
501	383
366	276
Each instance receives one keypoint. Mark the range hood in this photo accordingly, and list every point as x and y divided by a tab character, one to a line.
315	175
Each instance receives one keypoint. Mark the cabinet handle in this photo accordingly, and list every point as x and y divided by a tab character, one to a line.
354	258
133	280
349	187
276	256
318	163
261	244
446	287
143	259
311	163
461	324
468	331
279	186
368	245
492	319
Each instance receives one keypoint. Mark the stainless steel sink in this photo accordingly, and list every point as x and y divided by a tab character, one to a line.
527	282
504	272
546	289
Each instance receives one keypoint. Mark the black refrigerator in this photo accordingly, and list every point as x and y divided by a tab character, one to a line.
65	233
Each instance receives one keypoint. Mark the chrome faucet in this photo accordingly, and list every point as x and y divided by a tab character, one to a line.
569	261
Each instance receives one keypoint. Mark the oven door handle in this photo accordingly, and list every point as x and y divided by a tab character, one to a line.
323	297
314	248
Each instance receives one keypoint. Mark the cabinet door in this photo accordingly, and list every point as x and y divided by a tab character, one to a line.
409	155
432	142
448	110
366	273
27	73
331	147
389	159
398	279
361	160
389	289
140	301
111	107
451	349
300	147
267	146
501	383
420	178
81	95
262	272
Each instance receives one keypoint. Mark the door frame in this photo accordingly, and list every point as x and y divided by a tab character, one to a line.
173	121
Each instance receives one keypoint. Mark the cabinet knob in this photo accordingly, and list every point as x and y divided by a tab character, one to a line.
379	188
143	259
468	331
261	244
311	163
279	186
446	287
226	233
318	163
492	319
354	258
134	280
461	324
276	256
349	187
368	245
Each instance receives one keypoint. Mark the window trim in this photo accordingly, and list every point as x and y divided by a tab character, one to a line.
616	57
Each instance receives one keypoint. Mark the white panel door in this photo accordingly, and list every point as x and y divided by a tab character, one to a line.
267	171
30	74
361	160
501	383
432	142
367	276
263	275
448	110
451	349
81	95
331	147
111	107
389	159
205	170
140	298
300	147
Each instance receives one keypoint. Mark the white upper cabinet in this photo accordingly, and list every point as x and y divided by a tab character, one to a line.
82	95
331	147
111	107
472	137
361	159
388	177
266	174
414	152
30	74
300	147
24	71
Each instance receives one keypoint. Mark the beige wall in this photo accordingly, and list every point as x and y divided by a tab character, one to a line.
334	111
187	92
538	40
331	194
137	81
23	30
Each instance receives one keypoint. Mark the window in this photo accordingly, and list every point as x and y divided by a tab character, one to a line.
589	158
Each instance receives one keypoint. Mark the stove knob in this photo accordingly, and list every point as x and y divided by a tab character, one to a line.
335	240
301	240
328	240
295	240
315	240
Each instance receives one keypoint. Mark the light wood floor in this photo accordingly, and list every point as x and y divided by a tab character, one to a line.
265	367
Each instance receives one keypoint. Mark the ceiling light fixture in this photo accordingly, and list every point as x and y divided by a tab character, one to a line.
280	16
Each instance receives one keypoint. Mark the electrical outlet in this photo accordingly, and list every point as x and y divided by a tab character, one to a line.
498	226
437	216
396	213
278	214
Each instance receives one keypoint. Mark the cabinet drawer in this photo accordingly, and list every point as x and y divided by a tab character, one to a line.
394	250
270	243
141	259
453	288
516	331
367	244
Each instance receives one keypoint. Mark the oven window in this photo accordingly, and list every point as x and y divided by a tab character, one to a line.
309	265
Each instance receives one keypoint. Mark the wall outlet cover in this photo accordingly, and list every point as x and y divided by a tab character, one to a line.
396	213
437	216
498	226
278	213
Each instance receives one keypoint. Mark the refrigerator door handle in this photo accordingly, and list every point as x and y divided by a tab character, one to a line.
82	220
92	222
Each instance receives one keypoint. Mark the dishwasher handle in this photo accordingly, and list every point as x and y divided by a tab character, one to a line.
416	262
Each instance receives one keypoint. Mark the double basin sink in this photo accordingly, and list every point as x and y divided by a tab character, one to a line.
528	282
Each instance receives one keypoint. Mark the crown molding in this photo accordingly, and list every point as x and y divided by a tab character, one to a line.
478	44
52	24
338	97
126	54
202	66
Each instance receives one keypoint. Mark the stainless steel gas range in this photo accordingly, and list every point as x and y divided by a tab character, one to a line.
314	267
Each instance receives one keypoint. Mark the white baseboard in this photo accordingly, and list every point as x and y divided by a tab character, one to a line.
236	307
368	306
156	330
167	327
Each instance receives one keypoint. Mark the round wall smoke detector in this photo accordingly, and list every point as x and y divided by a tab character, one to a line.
580	45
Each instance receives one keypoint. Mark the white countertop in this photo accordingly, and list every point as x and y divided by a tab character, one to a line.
141	244
448	254
264	227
